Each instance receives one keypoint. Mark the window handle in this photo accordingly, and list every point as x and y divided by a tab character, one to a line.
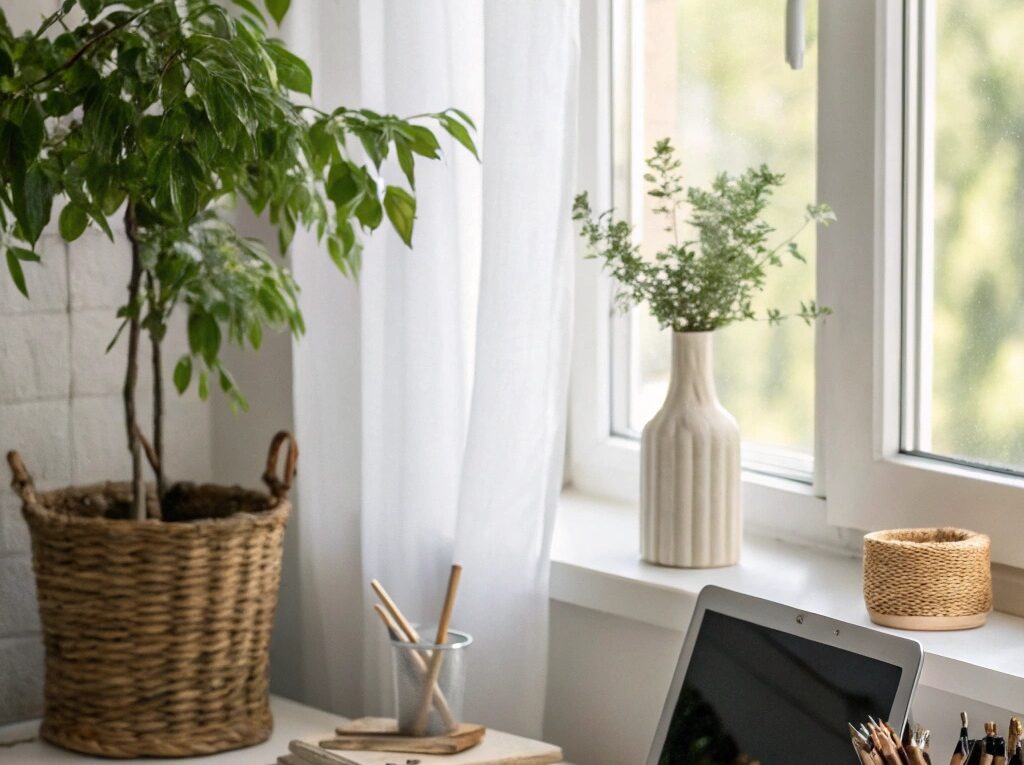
795	30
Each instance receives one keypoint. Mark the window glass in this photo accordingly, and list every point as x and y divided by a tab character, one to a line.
716	82
970	363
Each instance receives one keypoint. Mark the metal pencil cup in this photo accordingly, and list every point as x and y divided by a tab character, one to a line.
430	683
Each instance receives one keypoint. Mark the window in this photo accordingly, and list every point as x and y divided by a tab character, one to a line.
965	275
908	397
714	79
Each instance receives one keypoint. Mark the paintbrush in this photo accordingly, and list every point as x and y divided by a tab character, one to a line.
962	750
989	742
998	747
1013	736
1017	758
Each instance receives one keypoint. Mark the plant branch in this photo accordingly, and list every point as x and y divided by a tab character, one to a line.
132	370
97	38
157	459
783	243
48	22
151	455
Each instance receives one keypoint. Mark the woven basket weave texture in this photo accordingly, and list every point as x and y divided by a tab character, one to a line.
157	632
942	572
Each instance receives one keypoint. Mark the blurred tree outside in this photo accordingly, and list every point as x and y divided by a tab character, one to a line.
977	401
717	83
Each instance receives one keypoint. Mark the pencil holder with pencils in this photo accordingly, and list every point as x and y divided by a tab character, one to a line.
429	682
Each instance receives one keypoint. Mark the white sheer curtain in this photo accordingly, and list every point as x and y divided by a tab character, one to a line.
465	340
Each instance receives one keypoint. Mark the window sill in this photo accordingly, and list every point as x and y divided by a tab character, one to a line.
595	564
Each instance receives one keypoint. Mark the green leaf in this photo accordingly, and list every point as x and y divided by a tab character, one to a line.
336	251
102	222
25	255
172	86
250	7
406	162
464	117
369	212
342	186
459	132
424	142
400	206
255	336
33	129
204	386
57	104
72	222
183	373
17	274
33	200
278	9
203	335
91	7
292	71
176	173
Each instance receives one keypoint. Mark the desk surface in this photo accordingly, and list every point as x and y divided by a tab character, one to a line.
291	720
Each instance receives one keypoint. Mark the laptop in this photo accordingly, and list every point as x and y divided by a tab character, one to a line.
760	682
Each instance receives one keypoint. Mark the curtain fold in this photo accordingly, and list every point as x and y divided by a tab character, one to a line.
461	352
415	369
512	469
465	340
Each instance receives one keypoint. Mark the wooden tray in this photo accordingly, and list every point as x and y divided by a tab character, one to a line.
497	748
381	734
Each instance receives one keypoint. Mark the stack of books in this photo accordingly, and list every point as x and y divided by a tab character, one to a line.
375	741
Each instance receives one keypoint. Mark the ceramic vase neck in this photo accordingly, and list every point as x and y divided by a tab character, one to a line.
693	378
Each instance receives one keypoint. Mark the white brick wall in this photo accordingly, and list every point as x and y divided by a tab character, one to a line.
60	406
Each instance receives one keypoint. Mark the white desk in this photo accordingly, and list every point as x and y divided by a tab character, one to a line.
291	720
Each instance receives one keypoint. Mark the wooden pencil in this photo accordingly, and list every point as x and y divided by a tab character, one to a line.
437	656
407	629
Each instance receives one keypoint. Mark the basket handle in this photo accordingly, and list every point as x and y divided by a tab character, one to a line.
279	488
21	481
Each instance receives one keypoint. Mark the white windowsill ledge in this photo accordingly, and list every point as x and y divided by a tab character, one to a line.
595	564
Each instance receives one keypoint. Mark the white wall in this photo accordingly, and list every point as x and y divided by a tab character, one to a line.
608	677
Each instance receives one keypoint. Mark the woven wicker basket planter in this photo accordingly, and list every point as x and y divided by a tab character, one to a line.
157	632
928	579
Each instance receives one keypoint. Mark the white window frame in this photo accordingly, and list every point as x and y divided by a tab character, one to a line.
862	479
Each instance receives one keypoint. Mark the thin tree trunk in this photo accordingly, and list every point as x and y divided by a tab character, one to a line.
132	371
158	402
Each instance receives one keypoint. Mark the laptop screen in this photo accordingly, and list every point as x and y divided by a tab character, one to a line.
755	695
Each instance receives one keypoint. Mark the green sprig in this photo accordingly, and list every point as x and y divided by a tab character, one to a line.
708	283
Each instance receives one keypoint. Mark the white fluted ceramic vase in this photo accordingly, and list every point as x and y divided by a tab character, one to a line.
690	468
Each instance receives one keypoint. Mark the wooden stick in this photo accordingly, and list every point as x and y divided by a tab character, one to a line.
437	656
407	629
419	664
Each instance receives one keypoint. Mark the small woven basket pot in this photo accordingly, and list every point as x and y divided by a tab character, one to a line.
157	632
927	579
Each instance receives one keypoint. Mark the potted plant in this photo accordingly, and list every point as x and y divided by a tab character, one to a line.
706	279
156	601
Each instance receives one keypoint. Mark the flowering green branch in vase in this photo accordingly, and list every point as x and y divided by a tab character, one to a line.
717	263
